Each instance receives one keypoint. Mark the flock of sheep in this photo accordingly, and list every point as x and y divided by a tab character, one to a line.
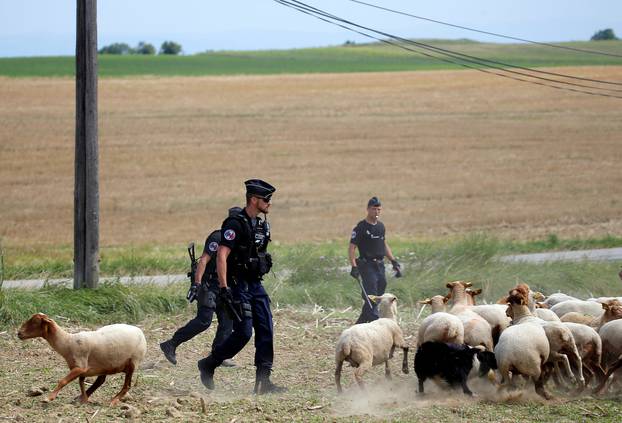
560	337
523	336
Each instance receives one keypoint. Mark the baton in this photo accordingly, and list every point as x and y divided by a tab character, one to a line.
365	293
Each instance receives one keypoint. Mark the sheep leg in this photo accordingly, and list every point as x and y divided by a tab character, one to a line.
603	385
387	370
577	364
405	361
82	397
98	382
360	371
421	380
127	384
73	374
556	374
547	368
338	376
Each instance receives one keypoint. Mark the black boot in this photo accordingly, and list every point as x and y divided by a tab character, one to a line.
206	368
168	348
263	384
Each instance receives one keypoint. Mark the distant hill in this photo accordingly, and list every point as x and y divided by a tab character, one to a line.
376	57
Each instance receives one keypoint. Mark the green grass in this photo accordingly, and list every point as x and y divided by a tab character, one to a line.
358	58
306	274
43	262
111	302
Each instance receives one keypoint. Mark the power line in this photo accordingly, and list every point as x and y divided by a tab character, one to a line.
509	37
329	18
463	55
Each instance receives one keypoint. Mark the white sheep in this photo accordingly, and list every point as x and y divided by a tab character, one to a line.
561	343
369	344
611	310
611	336
494	314
477	330
440	326
590	349
557	298
524	349
108	350
586	307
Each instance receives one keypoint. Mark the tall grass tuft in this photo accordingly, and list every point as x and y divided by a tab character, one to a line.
111	302
319	274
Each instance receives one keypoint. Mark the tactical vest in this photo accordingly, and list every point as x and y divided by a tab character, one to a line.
250	259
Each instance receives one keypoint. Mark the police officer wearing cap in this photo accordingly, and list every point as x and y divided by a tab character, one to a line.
369	238
205	289
242	262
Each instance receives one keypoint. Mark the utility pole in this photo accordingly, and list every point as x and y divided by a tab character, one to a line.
86	189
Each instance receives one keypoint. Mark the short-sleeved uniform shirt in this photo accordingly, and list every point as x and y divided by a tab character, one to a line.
211	248
369	239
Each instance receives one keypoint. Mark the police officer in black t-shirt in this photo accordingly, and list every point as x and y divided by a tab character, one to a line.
369	238
206	286
242	261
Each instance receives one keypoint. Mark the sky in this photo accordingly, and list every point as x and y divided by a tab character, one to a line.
45	28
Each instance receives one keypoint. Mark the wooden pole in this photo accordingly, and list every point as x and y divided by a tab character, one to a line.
86	191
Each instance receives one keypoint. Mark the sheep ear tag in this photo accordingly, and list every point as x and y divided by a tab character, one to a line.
373	298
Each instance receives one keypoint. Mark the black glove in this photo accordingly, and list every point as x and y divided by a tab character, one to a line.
355	272
225	294
226	298
193	293
397	267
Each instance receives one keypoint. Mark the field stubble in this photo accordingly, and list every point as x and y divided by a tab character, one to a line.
446	151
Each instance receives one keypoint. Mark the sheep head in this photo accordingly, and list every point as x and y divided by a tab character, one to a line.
387	305
464	284
613	310
472	293
37	326
519	294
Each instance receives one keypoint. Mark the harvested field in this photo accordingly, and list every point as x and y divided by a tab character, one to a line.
304	361
447	152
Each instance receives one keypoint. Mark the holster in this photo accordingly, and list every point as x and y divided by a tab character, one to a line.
207	297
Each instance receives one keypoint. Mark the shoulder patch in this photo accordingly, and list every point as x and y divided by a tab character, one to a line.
229	235
353	235
213	246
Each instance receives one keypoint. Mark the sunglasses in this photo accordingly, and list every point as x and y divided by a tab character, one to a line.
266	199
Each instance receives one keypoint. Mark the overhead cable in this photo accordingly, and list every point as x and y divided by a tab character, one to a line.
509	37
447	55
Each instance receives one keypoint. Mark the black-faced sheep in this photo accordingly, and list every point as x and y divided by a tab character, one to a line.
108	350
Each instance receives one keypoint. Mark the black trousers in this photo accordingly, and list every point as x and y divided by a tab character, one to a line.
206	307
375	282
256	316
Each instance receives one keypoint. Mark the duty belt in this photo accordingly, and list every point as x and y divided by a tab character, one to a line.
371	259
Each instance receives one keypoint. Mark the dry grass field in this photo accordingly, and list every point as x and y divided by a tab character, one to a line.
447	152
304	361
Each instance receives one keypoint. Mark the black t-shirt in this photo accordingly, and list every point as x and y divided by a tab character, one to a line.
211	248
369	239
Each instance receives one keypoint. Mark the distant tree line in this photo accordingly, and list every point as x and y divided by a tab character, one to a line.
167	47
604	34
